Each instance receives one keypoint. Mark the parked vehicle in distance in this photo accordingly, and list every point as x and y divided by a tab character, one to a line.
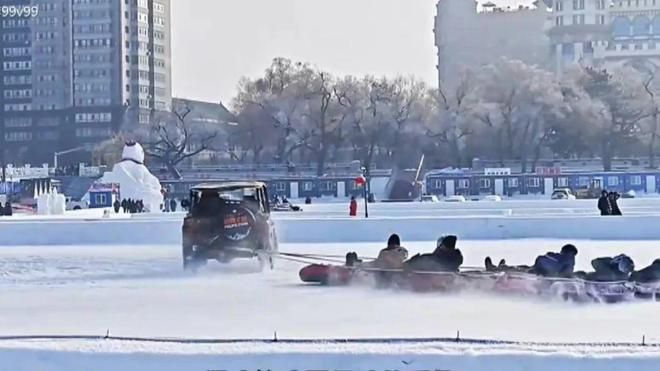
592	191
429	198
457	198
72	204
562	194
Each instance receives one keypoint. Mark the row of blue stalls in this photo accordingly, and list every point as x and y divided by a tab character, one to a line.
290	188
465	183
473	184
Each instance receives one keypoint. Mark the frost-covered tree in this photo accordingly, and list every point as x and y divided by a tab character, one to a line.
451	117
518	104
615	104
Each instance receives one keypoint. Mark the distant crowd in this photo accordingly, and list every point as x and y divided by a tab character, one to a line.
608	203
129	206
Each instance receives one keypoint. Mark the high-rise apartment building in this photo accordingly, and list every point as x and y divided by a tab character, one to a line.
606	33
74	72
469	35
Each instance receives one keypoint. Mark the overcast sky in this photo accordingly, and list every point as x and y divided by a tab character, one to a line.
215	42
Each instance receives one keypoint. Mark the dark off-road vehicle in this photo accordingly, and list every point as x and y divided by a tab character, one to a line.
227	221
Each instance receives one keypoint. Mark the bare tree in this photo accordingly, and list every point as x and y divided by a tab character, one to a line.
618	102
654	111
322	117
451	117
518	102
172	140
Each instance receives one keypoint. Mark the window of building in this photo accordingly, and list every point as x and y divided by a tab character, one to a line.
559	21
621	26
100	198
613	181
48	135
484	183
17	122
308	186
93	117
464	183
18	107
636	180
93	132
437	184
534	182
18	136
512	182
578	4
328	185
562	182
641	25
559	5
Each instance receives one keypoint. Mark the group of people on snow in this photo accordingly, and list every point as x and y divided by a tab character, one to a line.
608	203
447	258
129	206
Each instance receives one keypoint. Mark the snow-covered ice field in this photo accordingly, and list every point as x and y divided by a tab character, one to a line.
142	292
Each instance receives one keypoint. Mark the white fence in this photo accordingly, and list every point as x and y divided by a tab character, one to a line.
167	230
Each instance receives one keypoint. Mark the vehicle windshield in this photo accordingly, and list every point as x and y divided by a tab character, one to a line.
208	203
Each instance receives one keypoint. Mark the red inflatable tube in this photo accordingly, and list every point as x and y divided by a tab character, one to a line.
325	274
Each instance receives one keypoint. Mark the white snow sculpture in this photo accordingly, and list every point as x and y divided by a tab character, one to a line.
43	204
59	203
134	179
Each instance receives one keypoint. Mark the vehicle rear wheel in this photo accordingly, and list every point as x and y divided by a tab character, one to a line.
191	260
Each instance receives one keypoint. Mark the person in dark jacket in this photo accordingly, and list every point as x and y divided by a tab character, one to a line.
613	197
173	205
116	205
2	209
647	275
445	258
608	269
352	259
556	265
8	209
604	204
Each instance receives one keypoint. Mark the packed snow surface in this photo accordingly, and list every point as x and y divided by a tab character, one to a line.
141	291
